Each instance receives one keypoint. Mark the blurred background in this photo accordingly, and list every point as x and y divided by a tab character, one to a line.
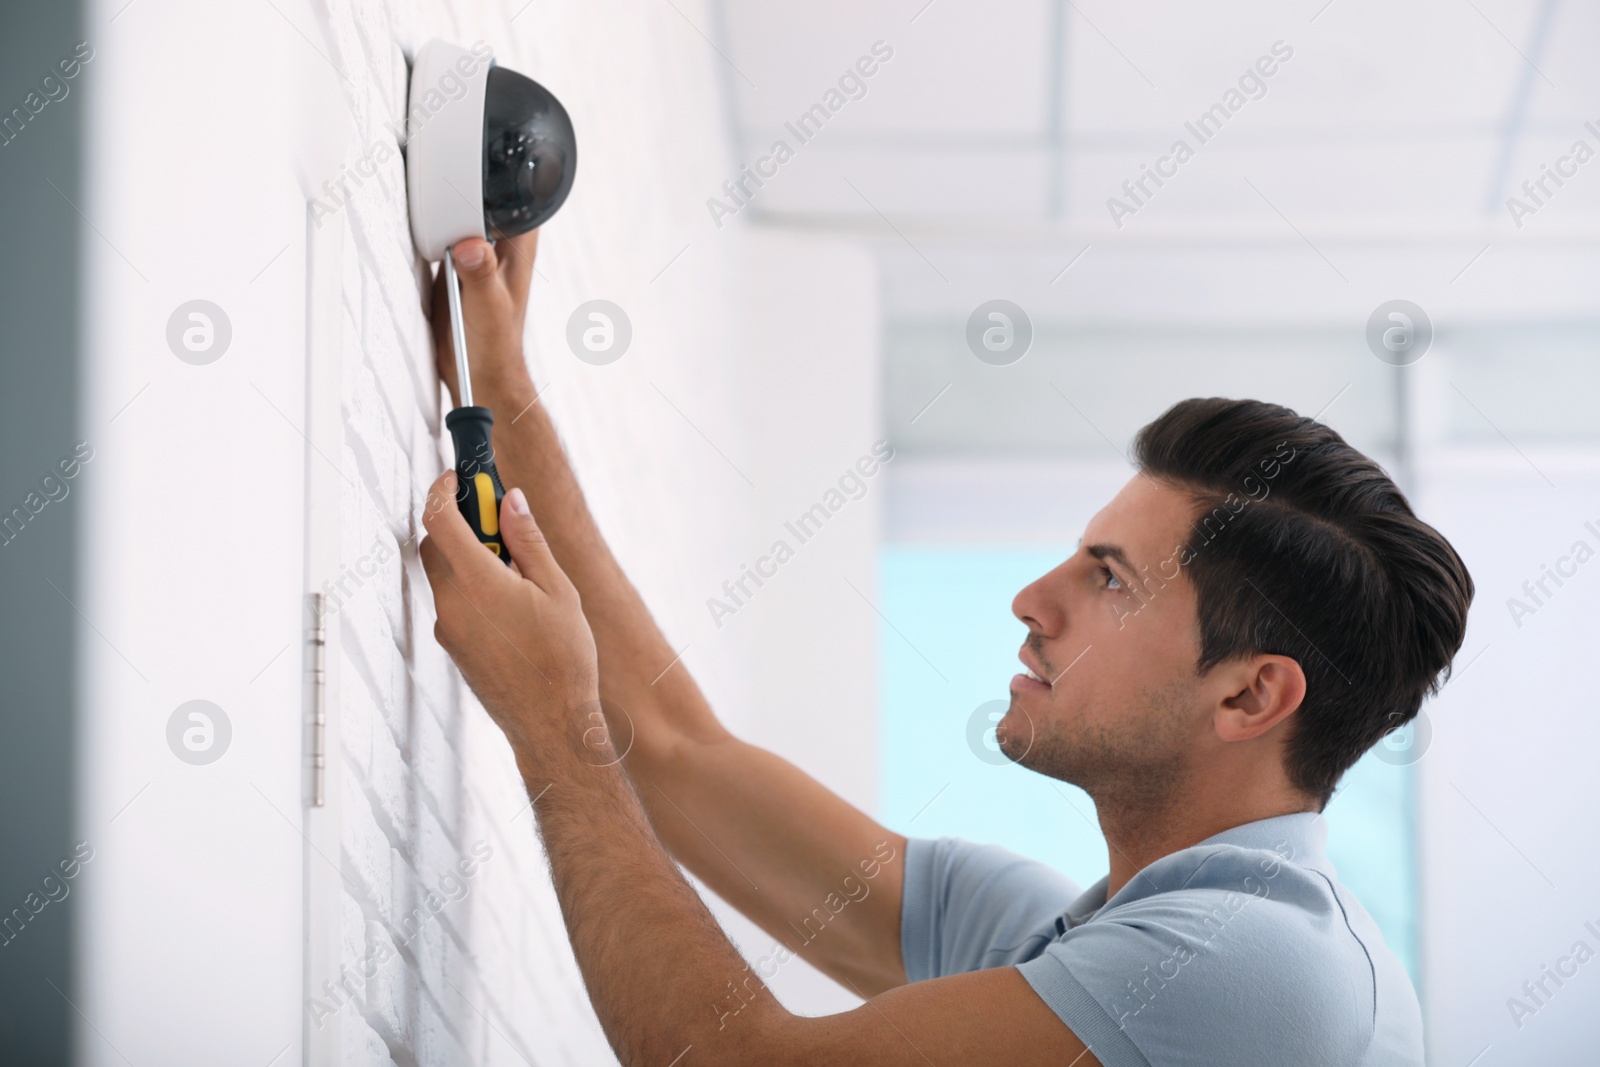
979	242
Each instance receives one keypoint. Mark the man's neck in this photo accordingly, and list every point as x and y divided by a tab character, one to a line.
1138	835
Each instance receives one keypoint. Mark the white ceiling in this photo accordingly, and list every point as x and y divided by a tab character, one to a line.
1376	165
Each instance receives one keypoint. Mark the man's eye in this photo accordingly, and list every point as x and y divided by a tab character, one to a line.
1111	578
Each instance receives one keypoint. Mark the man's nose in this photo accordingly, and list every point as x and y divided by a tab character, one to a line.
1037	607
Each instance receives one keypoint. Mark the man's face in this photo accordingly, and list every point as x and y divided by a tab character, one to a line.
1113	634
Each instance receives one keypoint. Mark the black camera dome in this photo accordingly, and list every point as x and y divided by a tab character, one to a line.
529	153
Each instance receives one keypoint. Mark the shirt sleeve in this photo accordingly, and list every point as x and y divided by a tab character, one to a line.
966	907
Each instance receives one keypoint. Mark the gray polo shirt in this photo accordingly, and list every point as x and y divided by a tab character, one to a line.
1243	949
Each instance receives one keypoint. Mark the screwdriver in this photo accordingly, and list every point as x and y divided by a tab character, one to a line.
478	488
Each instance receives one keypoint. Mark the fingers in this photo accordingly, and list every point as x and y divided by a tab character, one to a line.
441	495
527	544
516	263
492	317
483	300
486	307
458	548
476	261
438	572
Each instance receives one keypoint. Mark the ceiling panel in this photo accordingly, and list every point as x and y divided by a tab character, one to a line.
1375	162
1378	110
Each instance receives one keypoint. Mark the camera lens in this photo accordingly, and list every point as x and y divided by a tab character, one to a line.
529	153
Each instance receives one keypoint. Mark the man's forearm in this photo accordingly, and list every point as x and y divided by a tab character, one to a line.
633	651
708	796
661	973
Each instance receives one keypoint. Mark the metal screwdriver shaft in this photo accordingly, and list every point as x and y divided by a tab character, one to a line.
478	488
458	332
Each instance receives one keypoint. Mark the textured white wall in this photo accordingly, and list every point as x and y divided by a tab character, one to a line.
428	776
212	127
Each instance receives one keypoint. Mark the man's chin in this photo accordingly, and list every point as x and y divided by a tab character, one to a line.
1014	734
1043	747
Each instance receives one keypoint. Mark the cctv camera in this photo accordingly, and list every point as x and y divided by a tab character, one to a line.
489	152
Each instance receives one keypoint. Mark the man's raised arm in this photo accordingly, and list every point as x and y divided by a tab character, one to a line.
667	985
764	835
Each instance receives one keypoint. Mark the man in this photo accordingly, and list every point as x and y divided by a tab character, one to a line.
1256	608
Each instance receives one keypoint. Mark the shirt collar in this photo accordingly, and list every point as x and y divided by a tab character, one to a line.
1300	837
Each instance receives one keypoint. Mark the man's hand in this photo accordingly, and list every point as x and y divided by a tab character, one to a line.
518	634
494	304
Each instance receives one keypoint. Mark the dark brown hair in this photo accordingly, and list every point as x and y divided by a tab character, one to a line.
1304	547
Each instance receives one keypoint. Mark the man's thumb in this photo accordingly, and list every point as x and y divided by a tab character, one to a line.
527	544
475	260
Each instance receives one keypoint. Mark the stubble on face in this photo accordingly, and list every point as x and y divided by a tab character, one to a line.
1134	760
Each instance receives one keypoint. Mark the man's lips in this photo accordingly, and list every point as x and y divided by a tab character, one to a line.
1033	678
1021	683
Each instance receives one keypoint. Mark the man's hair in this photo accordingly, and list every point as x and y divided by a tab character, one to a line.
1304	547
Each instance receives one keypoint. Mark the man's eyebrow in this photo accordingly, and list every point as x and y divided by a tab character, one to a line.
1104	551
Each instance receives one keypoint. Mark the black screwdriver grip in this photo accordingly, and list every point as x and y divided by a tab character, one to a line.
478	488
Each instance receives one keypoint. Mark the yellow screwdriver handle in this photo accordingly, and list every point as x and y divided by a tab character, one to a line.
478	488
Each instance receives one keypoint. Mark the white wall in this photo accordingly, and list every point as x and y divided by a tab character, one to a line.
212	127
813	696
189	947
495	980
1507	793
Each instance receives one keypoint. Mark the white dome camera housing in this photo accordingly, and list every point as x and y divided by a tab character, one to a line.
489	152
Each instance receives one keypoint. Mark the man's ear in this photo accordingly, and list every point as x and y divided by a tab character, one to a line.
1262	692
